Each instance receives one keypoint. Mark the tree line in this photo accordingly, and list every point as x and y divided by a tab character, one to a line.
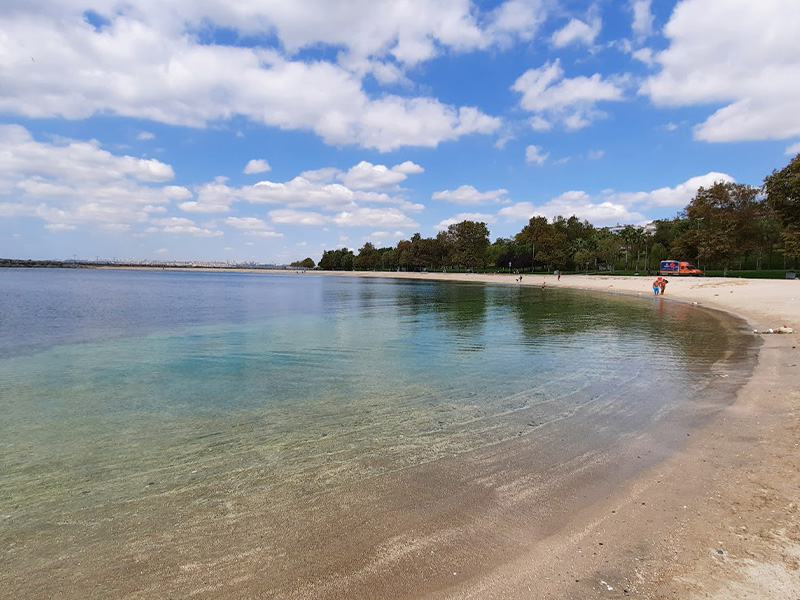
725	226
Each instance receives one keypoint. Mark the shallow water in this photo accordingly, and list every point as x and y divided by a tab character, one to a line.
298	433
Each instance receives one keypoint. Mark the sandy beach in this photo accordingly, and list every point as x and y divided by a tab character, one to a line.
717	520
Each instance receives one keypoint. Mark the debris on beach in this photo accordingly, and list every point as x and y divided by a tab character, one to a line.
782	329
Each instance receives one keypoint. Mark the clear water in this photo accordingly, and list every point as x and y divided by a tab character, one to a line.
134	403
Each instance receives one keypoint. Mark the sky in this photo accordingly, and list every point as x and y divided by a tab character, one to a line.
272	130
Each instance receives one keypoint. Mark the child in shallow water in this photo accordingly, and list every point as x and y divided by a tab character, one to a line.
656	286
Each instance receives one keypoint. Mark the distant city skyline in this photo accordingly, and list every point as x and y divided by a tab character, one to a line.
260	132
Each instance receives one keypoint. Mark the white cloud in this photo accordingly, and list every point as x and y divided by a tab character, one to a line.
596	154
678	196
539	123
145	135
546	92
373	217
247	223
366	175
289	216
256	165
613	207
534	154
574	203
180	225
466	194
793	149
264	234
644	55
749	66
477	217
382	238
73	182
642	19
577	32
324	175
516	19
147	62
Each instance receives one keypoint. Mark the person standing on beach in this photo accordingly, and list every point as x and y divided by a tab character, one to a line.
663	285
656	286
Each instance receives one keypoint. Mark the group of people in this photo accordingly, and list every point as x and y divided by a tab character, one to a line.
659	285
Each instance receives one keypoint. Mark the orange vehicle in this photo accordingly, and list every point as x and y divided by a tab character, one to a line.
678	267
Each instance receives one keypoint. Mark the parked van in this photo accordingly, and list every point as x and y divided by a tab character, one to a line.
678	267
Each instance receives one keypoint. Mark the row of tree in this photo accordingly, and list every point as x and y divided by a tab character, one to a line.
725	226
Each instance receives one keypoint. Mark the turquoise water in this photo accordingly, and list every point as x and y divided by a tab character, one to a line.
134	401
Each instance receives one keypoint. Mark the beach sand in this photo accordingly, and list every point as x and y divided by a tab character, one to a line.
720	518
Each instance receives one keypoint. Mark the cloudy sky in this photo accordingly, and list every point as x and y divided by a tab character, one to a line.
271	130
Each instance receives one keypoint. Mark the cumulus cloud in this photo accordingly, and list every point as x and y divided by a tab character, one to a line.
749	66
534	154
181	226
516	19
677	196
642	19
467	194
610	207
793	149
73	182
574	203
373	217
288	216
546	92
366	175
577	32
256	165
247	223
149	63
477	217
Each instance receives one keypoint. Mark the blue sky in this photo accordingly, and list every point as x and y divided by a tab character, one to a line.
268	131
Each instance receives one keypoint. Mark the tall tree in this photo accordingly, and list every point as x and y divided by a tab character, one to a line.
368	257
721	223
783	193
470	239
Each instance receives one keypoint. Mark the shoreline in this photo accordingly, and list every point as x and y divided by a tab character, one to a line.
720	519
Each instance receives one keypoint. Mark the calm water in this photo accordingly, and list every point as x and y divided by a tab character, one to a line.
137	409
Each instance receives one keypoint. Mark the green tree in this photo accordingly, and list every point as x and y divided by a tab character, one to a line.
722	223
548	244
608	247
469	240
368	257
306	263
337	260
783	193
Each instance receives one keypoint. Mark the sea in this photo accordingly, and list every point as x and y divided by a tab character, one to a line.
300	435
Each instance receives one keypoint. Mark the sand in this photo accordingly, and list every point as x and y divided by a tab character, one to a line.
719	519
